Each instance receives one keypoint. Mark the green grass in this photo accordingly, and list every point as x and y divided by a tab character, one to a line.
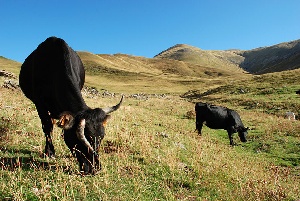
264	100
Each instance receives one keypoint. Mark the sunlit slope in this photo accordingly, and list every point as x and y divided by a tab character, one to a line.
276	58
147	75
147	66
10	65
225	60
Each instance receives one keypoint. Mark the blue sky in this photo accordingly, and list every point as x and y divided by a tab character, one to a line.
144	27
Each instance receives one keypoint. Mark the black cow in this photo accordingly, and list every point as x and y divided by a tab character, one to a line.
217	117
52	77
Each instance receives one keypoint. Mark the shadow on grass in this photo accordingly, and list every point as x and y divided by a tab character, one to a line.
26	162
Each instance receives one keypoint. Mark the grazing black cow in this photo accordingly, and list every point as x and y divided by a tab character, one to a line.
52	77
217	117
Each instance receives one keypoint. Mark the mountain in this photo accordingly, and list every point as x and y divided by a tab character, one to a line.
217	59
188	62
280	57
135	73
122	63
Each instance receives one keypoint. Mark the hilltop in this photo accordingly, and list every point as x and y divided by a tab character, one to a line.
209	58
276	58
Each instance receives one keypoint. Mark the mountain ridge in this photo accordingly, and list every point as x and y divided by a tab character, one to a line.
280	57
275	58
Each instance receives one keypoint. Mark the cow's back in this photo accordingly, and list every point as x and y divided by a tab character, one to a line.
236	119
215	117
54	74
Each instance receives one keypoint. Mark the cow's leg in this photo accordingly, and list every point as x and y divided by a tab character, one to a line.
199	127
47	128
230	133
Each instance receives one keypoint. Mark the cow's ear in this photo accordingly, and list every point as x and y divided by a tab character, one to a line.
106	119
65	121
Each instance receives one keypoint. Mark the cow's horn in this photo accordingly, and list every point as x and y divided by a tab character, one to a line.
81	136
113	108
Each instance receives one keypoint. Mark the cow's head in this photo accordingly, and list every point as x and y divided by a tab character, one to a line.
242	131
83	133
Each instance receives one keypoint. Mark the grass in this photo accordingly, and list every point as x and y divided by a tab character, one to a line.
151	152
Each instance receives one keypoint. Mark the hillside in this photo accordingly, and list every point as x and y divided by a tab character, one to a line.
217	59
9	65
280	57
140	73
276	58
150	67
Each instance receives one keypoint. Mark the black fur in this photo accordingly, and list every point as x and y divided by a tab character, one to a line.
217	117
52	77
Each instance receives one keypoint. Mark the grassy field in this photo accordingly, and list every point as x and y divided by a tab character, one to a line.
151	152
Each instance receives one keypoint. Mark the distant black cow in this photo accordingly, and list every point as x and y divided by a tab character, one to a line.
52	77
217	117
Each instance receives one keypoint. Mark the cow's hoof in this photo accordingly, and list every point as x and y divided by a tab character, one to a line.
49	154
